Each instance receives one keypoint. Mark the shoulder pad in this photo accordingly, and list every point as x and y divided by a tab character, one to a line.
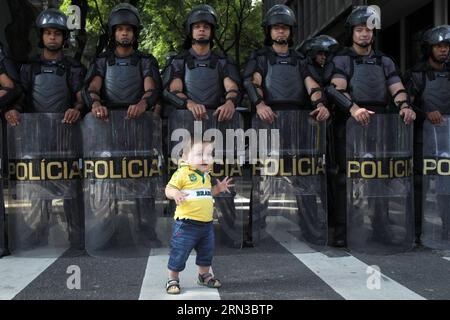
380	54
295	54
73	62
34	59
182	55
301	55
148	56
253	55
262	52
225	57
419	67
104	54
348	52
219	54
344	52
144	54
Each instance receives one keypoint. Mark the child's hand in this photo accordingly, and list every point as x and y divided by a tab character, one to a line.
224	185
180	197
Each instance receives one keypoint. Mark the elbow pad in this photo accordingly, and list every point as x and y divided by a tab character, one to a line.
340	99
12	94
175	100
253	95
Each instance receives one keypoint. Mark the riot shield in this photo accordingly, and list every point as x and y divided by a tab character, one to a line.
229	157
44	206
122	184
3	244
380	216
436	185
289	201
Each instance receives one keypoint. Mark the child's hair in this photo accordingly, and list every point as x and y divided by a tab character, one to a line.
189	145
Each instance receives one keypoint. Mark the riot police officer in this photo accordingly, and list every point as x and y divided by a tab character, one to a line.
9	90
52	84
41	79
278	26
276	80
369	80
428	83
204	81
9	93
200	78
124	78
319	52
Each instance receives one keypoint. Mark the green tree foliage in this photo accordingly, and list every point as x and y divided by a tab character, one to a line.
238	34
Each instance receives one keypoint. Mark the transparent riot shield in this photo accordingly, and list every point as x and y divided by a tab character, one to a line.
289	202
229	157
44	206
122	184
436	185
3	244
380	216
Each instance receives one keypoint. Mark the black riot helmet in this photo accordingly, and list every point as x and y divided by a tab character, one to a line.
200	13
124	14
304	47
322	43
362	15
434	36
52	18
278	14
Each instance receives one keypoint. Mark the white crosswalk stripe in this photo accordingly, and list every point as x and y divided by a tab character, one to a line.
153	285
16	272
345	275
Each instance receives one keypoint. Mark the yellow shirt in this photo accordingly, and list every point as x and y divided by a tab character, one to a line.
199	202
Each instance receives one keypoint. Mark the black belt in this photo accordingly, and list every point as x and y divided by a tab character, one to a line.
194	222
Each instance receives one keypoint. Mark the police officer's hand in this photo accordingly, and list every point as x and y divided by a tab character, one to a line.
157	109
71	116
136	110
3	93
265	113
408	115
321	113
198	110
225	111
361	115
435	117
99	111
13	117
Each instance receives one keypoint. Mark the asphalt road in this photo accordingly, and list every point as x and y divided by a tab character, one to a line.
280	267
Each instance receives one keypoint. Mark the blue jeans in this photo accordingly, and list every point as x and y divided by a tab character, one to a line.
188	235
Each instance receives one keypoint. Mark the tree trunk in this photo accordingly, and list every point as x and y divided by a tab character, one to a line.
82	35
237	46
